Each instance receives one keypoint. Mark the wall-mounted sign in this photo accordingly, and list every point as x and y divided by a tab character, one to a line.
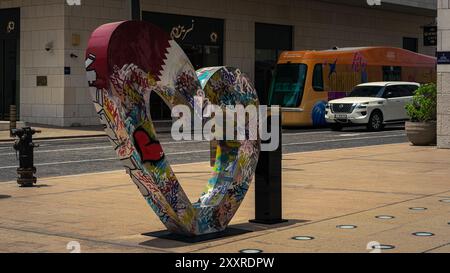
76	39
10	27
41	80
180	32
430	36
213	37
443	57
188	29
9	23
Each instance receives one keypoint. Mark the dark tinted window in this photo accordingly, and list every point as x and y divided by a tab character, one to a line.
288	85
410	89
392	73
393	92
366	91
318	78
398	91
410	44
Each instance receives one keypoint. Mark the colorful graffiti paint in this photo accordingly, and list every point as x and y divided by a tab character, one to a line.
125	62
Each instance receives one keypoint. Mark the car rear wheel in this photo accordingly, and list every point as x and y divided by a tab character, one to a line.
375	121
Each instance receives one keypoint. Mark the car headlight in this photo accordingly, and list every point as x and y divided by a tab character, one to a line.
362	105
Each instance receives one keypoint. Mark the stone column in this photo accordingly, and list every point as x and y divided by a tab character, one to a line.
443	77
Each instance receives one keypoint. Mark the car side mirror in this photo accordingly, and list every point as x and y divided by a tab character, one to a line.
388	95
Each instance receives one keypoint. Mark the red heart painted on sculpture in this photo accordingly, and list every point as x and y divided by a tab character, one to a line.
150	150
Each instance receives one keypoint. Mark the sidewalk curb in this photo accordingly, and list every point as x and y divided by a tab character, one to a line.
56	137
72	136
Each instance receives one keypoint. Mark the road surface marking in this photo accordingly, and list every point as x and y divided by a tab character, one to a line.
204	151
96	160
342	139
95	148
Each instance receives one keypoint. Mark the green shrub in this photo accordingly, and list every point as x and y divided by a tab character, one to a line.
423	106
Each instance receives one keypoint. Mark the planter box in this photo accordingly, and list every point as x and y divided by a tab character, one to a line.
421	133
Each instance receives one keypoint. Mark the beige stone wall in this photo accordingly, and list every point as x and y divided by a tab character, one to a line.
64	101
82	20
317	25
41	22
443	75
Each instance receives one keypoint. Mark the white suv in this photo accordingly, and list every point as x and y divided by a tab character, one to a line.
373	104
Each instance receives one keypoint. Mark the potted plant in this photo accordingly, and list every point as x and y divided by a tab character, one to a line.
421	129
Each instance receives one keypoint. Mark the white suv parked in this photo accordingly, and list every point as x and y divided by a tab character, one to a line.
373	104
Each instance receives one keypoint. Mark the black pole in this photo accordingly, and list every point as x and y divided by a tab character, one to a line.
268	198
136	10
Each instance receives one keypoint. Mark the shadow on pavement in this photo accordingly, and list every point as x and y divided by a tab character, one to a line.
165	239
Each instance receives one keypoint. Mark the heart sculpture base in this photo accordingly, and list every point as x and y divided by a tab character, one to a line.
228	232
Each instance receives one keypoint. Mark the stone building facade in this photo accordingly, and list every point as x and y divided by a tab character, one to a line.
50	81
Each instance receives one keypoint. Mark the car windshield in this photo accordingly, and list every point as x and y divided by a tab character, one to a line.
366	91
288	85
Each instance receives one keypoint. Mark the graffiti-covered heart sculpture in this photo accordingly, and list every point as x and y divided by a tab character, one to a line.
125	62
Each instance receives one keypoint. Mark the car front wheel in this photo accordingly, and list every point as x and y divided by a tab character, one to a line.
375	121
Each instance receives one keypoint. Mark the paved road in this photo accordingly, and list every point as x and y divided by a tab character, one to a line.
76	156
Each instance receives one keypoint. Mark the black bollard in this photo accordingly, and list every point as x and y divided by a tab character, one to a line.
25	146
268	196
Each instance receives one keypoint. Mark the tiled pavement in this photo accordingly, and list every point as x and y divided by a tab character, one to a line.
104	212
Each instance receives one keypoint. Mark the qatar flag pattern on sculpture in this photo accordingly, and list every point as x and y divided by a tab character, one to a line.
125	62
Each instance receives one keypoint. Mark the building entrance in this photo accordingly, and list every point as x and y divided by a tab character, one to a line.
201	39
9	60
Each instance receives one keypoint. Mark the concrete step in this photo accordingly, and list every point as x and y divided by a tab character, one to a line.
4	125
162	126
